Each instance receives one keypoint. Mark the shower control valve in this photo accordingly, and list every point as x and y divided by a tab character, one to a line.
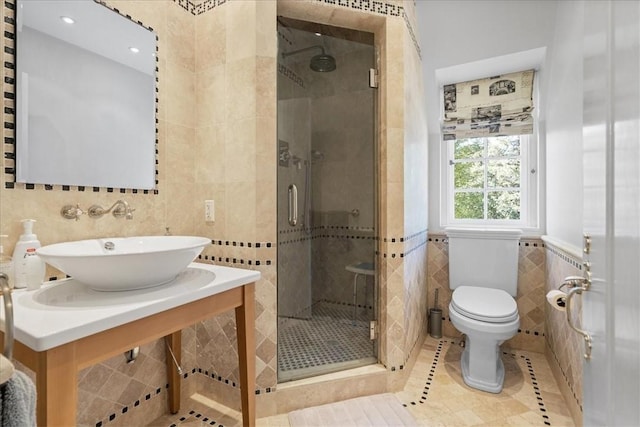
285	156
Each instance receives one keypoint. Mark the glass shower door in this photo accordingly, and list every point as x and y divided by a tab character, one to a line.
327	295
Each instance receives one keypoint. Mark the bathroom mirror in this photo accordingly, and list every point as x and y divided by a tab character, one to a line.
85	96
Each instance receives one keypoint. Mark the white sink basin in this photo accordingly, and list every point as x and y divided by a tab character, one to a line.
124	263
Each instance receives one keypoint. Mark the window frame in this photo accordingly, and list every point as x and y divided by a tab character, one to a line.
529	187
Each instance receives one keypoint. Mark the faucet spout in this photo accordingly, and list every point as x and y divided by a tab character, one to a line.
122	209
119	209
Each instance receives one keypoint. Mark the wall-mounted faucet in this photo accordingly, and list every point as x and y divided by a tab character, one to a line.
119	209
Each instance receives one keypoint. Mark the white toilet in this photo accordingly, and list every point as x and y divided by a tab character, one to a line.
483	273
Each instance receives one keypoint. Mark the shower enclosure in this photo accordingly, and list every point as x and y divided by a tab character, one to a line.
327	288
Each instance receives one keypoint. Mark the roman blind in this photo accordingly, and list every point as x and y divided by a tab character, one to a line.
494	106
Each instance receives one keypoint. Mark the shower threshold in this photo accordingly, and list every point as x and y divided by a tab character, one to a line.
302	373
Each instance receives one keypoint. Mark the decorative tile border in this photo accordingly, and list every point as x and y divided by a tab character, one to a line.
528	332
412	33
375	6
436	361
222	258
577	263
203	419
291	75
406	238
233	260
413	249
381	8
199	8
9	97
227	381
300	234
148	396
8	15
186	5
568	383
347	232
432	371
258	245
283	36
206	6
327	227
536	389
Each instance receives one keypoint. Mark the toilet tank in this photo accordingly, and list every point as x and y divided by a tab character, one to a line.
481	257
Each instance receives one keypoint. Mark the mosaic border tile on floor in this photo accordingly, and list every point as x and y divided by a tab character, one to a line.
437	395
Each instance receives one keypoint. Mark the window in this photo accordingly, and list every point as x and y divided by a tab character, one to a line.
487	179
490	153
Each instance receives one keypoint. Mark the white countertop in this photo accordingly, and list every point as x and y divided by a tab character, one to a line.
63	311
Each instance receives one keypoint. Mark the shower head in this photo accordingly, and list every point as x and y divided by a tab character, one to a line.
320	63
323	63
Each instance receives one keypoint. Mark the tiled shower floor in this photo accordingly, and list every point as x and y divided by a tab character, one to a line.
331	340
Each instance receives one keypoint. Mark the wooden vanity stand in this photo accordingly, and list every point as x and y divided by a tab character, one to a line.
57	368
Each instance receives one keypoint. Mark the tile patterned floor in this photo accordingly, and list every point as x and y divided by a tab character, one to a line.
332	336
436	395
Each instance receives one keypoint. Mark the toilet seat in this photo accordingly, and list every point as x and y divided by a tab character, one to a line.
484	304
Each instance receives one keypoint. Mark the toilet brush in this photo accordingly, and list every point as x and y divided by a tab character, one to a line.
435	319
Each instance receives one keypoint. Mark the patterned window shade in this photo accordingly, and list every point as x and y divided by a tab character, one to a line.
495	106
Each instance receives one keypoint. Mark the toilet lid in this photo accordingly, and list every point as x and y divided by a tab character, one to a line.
484	304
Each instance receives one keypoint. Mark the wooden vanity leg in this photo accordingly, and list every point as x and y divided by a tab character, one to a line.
245	320
173	377
56	384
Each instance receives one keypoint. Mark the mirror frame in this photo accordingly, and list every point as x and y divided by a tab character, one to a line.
9	95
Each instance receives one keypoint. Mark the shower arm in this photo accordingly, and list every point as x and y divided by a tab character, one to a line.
295	52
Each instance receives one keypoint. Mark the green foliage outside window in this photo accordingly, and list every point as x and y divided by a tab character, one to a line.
487	168
469	205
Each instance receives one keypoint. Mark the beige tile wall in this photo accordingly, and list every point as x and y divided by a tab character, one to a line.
113	387
236	80
564	347
531	291
216	140
415	178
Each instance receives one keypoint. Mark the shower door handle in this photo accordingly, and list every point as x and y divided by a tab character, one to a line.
293	205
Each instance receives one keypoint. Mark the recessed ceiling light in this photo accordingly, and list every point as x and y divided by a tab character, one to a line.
318	34
67	20
134	49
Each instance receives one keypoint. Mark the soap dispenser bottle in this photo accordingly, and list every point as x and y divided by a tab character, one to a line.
6	264
29	268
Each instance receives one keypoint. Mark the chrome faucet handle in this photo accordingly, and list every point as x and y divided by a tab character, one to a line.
71	212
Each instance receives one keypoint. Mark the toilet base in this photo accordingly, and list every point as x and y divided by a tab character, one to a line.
479	383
